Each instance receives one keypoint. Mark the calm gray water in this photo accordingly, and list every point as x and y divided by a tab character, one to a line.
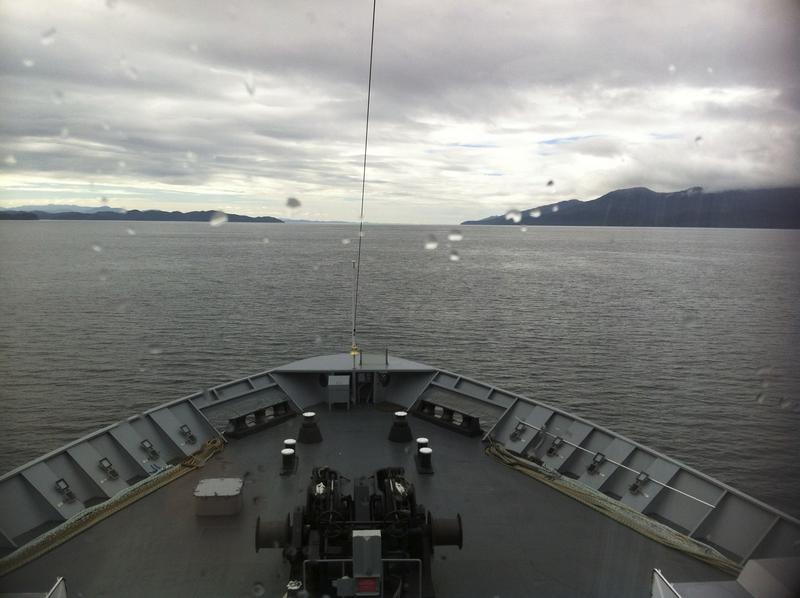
683	339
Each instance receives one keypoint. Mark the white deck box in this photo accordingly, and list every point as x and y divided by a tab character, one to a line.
216	497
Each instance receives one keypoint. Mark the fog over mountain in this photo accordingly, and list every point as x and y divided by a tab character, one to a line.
477	107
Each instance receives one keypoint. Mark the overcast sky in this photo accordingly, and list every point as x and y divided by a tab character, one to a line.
475	107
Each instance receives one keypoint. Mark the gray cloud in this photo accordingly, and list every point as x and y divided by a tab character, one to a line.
149	102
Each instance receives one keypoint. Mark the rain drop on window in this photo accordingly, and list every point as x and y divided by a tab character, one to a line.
104	200
265	241
131	72
250	83
786	404
555	208
194	48
155	351
672	68
28	63
218	219
97	249
345	241
57	96
550	183
292	203
64	132
523	229
455	235
536	213
130	231
431	242
10	160
454	256
698	140
514	215
48	37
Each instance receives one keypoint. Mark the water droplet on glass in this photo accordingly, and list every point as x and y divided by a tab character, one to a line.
765	371
28	63
550	183
10	160
317	340
64	133
536	213
97	249
250	83
514	215
555	208
786	404
523	229
265	240
292	203
218	219
672	68
194	48
57	96
709	70
698	140
155	351
760	398
104	200
455	235
258	589
130	231
454	257
345	241
121	164
106	126
49	36
191	156
431	242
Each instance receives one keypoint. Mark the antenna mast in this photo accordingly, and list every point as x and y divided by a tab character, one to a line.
354	345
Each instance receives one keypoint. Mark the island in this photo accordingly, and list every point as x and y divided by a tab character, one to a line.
693	207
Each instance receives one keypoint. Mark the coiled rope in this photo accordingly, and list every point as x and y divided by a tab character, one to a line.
617	511
93	515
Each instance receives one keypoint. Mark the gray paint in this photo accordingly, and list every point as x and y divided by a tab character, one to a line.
735	523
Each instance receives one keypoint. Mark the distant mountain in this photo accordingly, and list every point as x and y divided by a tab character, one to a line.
152	215
17	215
56	208
639	206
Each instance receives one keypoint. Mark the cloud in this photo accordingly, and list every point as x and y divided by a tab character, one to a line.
177	104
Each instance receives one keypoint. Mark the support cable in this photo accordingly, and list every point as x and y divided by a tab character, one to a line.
354	345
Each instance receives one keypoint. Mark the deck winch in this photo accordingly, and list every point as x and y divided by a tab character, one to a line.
377	541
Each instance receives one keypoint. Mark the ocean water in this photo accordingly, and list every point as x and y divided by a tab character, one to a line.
683	339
